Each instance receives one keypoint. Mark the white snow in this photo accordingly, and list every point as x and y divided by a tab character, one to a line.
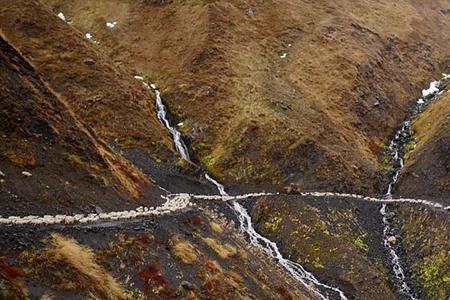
284	55
2	174
111	24
88	36
139	78
62	17
27	174
420	101
433	89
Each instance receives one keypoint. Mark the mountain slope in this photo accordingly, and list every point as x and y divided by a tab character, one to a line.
274	92
427	169
105	98
50	162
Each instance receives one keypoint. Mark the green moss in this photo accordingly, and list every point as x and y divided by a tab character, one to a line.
273	224
360	244
426	239
209	161
435	275
385	162
156	159
317	264
383	146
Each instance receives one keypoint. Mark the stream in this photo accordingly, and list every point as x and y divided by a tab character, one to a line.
399	146
307	279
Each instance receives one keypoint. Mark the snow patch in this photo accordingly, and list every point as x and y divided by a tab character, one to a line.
62	17
111	24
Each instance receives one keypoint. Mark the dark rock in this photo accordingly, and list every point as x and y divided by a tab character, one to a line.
249	11
89	62
98	209
187	285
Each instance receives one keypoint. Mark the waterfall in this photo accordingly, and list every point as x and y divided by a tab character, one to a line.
398	147
162	116
270	248
296	270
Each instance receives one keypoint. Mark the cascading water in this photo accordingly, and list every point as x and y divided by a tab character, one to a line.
398	147
162	116
323	291
296	270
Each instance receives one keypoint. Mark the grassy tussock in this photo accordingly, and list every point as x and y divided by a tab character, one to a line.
216	227
184	250
224	251
83	259
47	297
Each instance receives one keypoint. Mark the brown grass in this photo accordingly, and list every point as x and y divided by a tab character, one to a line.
184	250
47	297
430	122
223	250
82	259
216	227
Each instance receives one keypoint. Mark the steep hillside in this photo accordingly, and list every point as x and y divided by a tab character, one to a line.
183	256
427	244
273	92
49	161
110	191
427	170
337	240
104	98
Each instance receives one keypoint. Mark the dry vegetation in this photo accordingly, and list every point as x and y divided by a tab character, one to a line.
67	265
83	259
223	250
184	250
318	117
427	170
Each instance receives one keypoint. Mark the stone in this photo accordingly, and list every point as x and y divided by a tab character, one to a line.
187	285
249	11
392	240
89	62
292	189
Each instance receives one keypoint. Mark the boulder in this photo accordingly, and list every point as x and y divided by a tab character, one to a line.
392	240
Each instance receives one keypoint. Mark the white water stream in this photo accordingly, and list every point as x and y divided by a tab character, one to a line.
162	116
296	270
398	148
